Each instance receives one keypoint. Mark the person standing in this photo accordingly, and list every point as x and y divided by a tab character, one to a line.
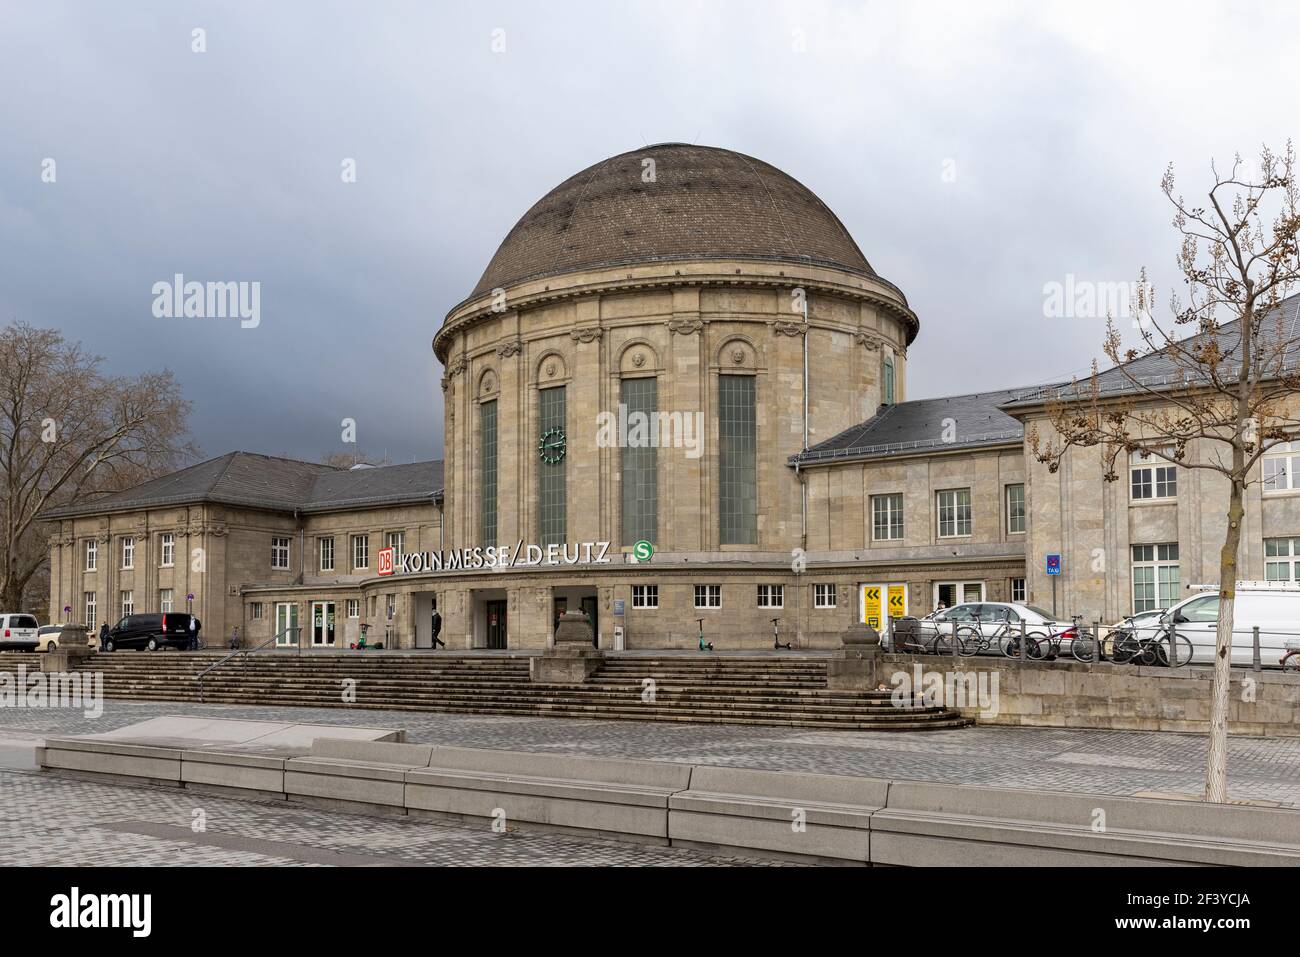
103	635
194	634
437	630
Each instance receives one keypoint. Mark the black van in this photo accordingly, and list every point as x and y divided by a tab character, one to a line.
152	632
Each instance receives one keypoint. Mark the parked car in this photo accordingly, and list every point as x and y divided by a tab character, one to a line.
151	631
47	638
18	632
991	617
1273	607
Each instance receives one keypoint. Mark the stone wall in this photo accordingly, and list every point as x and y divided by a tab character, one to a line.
1070	694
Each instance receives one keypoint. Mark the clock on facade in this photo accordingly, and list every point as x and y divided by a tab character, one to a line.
551	446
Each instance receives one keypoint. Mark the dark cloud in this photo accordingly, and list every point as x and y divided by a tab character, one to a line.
1058	122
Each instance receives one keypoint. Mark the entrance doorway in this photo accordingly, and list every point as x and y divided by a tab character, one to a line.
496	624
322	624
286	624
563	599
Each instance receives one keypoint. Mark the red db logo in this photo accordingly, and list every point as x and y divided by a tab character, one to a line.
385	561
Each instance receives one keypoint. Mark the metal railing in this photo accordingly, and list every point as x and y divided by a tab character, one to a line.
245	652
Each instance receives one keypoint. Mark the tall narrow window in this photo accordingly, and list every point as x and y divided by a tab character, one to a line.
551	448
360	552
737	467
640	400
887	395
168	549
1155	576
91	620
1015	508
487	417
92	555
887	517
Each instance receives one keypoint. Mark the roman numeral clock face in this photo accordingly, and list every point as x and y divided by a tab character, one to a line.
551	446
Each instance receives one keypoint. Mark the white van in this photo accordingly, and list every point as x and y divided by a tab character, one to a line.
18	632
1272	606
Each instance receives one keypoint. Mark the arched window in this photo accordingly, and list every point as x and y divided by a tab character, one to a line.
639	399
888	394
737	461
552	446
488	472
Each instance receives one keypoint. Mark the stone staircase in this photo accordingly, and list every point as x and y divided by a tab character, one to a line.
759	690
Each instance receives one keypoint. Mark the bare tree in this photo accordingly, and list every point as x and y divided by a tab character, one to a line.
69	433
1225	375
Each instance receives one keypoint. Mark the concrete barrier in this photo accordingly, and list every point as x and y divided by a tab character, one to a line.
621	798
150	763
818	816
739	810
946	824
355	772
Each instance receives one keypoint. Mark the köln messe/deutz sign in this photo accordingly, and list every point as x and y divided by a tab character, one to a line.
492	556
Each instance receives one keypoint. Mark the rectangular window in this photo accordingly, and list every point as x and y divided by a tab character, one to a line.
396	541
1015	509
887	517
167	549
551	441
255	611
708	596
391	602
92	555
1151	477
92	621
128	603
639	400
949	594
327	554
360	552
128	553
824	596
1281	467
1282	559
1018	592
487	417
954	512
887	394
1155	576
354	608
737	461
279	553
771	596
645	596
164	600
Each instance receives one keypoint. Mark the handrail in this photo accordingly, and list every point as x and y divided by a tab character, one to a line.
297	629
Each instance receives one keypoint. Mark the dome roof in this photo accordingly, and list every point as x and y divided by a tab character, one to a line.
704	203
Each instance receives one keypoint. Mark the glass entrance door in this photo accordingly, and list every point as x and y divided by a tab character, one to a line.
496	624
322	624
286	624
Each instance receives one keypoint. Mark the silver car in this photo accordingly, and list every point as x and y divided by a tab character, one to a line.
996	621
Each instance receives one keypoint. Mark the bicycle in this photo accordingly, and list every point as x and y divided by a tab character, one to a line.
1291	660
1129	646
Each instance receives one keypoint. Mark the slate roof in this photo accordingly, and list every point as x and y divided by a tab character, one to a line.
918	426
1158	372
705	203
277	484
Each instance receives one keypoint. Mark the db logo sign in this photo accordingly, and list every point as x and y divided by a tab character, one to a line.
385	561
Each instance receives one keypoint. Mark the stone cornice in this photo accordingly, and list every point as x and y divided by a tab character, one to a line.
659	276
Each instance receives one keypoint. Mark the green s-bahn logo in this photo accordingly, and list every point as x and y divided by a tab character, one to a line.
642	551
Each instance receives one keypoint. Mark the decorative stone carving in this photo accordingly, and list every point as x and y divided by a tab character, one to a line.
737	356
685	327
551	369
589	334
792	329
872	343
455	367
638	359
510	348
488	384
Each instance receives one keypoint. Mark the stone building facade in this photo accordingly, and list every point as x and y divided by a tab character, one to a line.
782	472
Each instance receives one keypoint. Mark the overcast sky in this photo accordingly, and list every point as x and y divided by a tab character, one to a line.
976	151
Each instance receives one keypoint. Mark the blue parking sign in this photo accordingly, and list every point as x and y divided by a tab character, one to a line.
1053	564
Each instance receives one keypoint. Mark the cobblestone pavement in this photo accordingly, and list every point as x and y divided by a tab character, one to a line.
58	821
1108	762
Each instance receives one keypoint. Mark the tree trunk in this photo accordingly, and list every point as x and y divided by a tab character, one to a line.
1216	758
